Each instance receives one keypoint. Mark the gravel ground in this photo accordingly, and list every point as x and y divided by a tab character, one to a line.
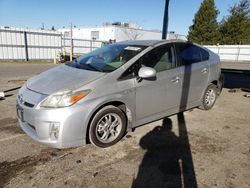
192	149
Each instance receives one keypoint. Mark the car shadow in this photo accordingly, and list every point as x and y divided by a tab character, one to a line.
168	160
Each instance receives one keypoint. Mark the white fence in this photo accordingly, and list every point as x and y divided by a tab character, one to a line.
40	44
43	44
232	52
80	46
28	44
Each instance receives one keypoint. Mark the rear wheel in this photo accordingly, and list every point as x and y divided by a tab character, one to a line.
107	127
209	97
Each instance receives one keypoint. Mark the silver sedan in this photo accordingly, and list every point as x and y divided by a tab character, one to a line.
100	96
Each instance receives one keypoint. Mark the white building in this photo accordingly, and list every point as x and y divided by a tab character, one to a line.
117	32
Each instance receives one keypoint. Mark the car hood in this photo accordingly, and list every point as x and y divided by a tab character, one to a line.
61	78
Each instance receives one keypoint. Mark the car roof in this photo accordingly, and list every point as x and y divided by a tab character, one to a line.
148	42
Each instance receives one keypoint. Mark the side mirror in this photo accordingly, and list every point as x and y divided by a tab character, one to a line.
147	73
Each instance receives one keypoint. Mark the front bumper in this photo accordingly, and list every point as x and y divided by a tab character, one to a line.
36	123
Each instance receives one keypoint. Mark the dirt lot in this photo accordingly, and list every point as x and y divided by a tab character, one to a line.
194	149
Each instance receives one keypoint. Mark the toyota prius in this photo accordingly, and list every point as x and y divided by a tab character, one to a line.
101	95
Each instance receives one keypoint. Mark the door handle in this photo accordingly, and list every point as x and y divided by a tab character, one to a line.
204	70
175	79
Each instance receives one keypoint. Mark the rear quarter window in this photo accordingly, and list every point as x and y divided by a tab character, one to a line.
204	54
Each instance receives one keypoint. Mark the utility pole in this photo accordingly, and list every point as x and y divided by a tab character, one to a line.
165	21
71	42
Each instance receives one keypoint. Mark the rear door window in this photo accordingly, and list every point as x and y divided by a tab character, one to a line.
189	53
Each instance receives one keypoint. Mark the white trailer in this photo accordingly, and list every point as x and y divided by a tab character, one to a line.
117	33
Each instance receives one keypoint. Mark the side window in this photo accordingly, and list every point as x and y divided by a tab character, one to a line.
161	58
188	53
131	72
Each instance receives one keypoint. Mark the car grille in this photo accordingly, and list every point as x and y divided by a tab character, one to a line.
28	104
25	103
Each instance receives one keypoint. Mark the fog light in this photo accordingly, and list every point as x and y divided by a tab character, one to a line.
54	130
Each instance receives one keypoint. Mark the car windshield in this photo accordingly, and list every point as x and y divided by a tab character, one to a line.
107	58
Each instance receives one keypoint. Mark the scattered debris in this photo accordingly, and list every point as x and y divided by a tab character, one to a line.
13	89
2	95
246	89
128	136
232	90
9	170
247	95
95	174
62	156
78	161
17	81
226	127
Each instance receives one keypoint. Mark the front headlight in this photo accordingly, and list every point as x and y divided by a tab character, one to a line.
64	99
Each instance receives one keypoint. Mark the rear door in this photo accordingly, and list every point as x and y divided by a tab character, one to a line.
194	63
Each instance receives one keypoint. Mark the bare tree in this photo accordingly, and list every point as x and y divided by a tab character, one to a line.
132	34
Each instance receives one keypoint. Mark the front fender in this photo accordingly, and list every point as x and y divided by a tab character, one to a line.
96	104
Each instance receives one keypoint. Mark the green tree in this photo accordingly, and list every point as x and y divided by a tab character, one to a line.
205	28
235	29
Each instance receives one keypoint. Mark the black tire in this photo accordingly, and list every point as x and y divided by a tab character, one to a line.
209	97
97	128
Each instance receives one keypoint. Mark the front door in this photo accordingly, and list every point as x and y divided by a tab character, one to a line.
156	96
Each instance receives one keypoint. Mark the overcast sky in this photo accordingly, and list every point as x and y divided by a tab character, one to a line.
59	13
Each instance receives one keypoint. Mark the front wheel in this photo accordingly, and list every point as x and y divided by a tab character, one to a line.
209	97
107	127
